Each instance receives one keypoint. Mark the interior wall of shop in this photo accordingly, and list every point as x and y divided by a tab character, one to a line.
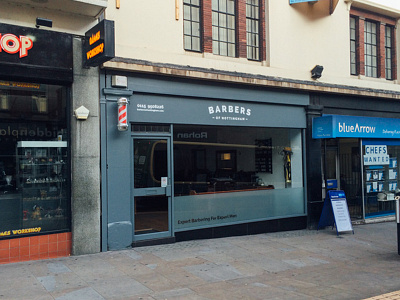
85	156
117	145
337	105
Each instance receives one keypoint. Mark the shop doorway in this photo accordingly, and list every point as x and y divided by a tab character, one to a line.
152	188
342	170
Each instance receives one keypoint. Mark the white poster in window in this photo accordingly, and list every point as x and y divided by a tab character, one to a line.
164	181
392	174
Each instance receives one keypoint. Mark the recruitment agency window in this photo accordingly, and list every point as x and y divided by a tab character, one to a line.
245	173
34	163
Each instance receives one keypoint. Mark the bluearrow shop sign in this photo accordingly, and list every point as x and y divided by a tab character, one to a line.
35	53
336	126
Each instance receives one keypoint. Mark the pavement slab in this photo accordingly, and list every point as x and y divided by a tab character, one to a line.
301	264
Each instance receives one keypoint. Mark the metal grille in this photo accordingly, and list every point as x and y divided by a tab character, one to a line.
154	128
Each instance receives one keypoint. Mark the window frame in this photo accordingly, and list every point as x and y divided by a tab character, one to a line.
253	22
219	26
190	4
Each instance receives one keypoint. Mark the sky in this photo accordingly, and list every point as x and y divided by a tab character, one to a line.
390	3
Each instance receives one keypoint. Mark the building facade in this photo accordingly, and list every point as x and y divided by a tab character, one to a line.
215	118
49	171
220	107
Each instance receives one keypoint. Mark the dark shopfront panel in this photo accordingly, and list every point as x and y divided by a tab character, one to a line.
235	164
35	78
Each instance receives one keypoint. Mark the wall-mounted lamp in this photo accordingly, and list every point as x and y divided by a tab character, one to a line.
81	113
43	22
316	72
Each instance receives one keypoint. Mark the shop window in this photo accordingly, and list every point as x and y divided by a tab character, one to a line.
381	186
34	159
372	45
233	159
225	27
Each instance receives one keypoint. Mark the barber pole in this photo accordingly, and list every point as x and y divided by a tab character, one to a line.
122	114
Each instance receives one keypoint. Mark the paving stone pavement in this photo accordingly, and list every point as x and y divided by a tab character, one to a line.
303	264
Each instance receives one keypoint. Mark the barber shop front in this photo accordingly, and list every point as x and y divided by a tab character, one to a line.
199	160
360	156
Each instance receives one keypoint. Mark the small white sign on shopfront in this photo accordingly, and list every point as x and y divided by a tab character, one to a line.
376	155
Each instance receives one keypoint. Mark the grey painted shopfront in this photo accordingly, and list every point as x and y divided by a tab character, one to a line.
199	160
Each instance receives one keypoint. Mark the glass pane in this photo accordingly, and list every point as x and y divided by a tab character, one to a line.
196	2
231	50
223	49
196	29
151	214
150	162
222	20
223	35
195	14
231	7
231	36
34	159
187	28
215	5
215	47
196	43
231	22
186	12
215	19
187	41
215	34
222	5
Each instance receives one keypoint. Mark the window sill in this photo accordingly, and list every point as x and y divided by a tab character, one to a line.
380	80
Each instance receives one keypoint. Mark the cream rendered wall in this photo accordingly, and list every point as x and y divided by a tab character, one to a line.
24	15
298	37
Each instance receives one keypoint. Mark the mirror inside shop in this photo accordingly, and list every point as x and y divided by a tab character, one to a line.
34	184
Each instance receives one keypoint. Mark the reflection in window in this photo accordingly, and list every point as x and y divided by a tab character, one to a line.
232	159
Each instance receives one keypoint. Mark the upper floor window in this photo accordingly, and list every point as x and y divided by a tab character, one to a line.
234	28
253	29
372	45
370	49
223	27
389	52
353	46
191	25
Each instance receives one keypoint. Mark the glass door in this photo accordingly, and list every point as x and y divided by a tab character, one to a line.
152	188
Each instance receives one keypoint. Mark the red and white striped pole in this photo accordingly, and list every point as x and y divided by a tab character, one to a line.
122	114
